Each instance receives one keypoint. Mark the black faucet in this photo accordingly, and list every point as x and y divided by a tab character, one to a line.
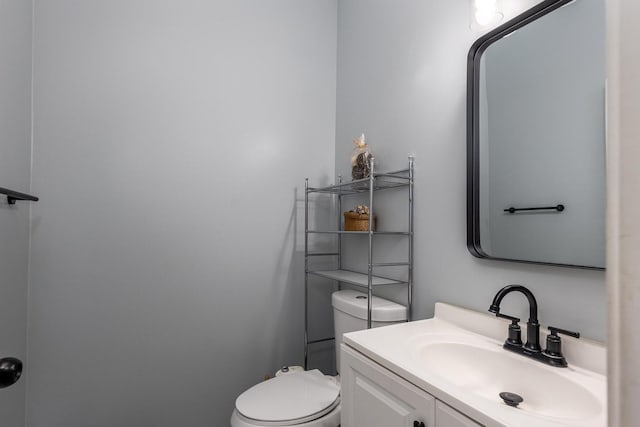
553	354
533	327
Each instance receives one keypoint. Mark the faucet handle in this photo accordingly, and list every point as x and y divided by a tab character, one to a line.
506	316
554	345
555	331
515	334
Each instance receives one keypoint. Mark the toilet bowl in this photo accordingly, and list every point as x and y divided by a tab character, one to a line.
310	398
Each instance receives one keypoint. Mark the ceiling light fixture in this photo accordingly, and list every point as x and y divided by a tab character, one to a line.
486	13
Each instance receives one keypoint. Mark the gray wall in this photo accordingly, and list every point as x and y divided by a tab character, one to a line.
172	139
15	163
402	81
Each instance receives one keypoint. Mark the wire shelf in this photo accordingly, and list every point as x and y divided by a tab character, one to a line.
355	278
381	181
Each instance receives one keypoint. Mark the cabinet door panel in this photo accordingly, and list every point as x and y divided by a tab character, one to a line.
446	416
376	407
372	396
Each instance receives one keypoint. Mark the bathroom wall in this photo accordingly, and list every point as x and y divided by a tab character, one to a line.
402	81
172	139
15	167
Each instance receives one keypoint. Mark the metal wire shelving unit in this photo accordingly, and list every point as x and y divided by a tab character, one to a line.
377	181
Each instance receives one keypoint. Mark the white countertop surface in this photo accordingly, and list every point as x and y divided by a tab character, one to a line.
397	348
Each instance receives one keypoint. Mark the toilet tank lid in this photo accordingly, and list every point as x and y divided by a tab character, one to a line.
290	399
355	304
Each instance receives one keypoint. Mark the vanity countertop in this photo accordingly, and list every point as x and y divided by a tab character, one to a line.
457	357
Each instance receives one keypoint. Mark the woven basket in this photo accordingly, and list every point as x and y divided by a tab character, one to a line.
358	222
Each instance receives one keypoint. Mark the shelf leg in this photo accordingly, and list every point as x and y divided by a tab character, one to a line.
410	272
370	267
306	273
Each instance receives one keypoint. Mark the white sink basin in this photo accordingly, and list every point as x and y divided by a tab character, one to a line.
488	372
458	358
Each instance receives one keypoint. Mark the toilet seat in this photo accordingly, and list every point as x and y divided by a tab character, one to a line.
289	400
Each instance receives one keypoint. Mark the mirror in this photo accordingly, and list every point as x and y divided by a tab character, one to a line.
536	137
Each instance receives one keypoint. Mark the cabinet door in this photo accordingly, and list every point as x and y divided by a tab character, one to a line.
446	416
373	396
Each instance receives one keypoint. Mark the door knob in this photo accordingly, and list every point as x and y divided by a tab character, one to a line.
10	371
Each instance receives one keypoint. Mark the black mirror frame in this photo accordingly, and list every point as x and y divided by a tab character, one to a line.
473	151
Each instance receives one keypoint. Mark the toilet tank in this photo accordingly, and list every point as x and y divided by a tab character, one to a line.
350	314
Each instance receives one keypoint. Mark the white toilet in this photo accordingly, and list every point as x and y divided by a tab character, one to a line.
310	398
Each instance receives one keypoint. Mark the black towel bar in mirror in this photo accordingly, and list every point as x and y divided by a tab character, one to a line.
558	208
12	196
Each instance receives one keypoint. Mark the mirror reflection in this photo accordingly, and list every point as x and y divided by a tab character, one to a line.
537	137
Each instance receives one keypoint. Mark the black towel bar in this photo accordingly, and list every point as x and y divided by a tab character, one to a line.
558	208
12	196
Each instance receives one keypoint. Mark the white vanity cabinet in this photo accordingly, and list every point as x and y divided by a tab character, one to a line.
373	396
